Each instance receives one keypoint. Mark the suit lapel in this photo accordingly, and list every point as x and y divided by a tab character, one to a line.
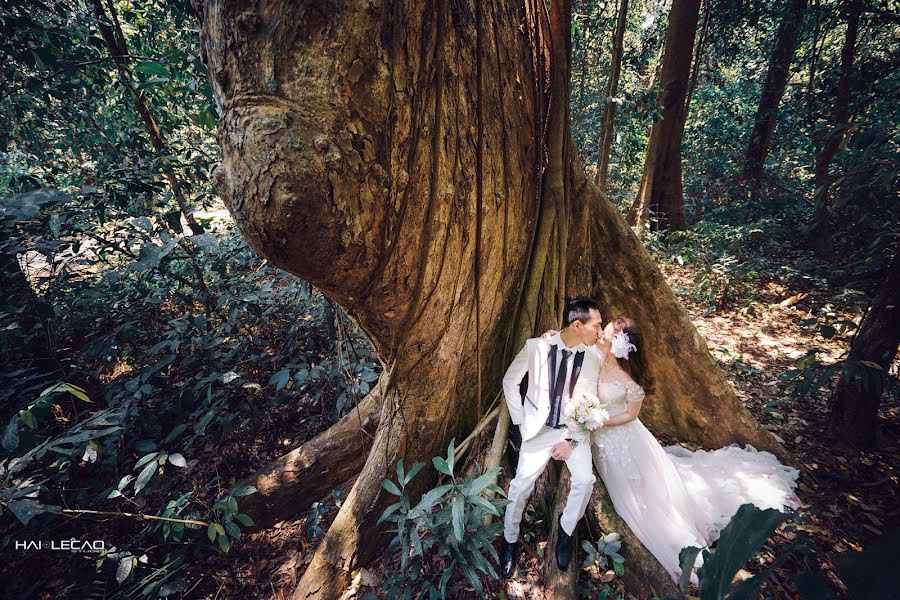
551	376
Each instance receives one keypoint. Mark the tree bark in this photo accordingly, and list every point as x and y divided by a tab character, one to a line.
348	143
612	88
661	192
854	416
840	129
773	90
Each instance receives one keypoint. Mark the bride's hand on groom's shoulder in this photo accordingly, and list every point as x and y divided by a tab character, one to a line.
549	334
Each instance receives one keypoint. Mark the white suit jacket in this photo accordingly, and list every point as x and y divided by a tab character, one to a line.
531	414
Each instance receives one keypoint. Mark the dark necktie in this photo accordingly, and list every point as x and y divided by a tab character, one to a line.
556	392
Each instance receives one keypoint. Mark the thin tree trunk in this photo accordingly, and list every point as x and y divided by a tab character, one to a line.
698	54
369	193
854	415
840	129
661	190
772	91
612	89
585	52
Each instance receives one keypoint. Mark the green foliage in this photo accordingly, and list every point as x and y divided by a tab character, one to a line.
604	553
448	522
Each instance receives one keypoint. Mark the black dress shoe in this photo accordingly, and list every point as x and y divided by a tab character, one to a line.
508	553
563	547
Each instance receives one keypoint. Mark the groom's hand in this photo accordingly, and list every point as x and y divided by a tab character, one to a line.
561	450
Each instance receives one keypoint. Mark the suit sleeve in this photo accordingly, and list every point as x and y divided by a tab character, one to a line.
511	381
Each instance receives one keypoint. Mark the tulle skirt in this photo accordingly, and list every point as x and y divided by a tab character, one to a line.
672	498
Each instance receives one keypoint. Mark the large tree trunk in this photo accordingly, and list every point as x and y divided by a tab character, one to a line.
772	92
840	128
612	88
854	416
348	136
661	191
290	484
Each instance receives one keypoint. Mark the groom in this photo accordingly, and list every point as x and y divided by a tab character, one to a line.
558	369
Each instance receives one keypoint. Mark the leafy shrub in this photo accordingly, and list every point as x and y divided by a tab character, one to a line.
448	522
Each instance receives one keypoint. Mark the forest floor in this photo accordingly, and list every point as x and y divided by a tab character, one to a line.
850	498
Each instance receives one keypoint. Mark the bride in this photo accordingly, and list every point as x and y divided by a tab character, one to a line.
672	498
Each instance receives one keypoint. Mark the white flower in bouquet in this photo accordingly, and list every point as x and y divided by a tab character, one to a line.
585	412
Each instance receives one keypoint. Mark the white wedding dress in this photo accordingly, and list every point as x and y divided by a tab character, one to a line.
672	497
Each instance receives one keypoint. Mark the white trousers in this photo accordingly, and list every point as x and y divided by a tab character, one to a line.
533	459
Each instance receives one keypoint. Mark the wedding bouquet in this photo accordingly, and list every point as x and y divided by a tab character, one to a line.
585	413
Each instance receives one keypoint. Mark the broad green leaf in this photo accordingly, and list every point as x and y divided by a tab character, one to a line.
428	499
78	392
485	504
177	460
11	434
243	490
145	459
280	379
244	519
391	487
145	477
482	481
388	512
459	517
211	532
413	472
451	455
124	568
441	465
152	68
742	537
686	559
28	418
400	473
233	530
224	543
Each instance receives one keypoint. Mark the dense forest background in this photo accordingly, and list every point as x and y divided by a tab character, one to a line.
152	362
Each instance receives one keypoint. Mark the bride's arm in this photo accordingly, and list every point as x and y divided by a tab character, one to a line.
635	396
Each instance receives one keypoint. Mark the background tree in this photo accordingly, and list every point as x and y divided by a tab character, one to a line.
661	191
865	375
612	89
772	91
840	129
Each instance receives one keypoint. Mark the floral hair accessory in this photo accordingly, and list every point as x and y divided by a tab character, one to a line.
621	346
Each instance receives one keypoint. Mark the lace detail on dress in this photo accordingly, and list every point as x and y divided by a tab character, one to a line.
614	445
634	392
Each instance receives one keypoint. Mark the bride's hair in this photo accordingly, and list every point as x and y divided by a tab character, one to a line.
634	364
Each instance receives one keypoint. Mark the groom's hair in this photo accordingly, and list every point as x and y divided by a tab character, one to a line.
578	309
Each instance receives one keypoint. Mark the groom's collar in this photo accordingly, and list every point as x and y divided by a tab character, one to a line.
557	340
